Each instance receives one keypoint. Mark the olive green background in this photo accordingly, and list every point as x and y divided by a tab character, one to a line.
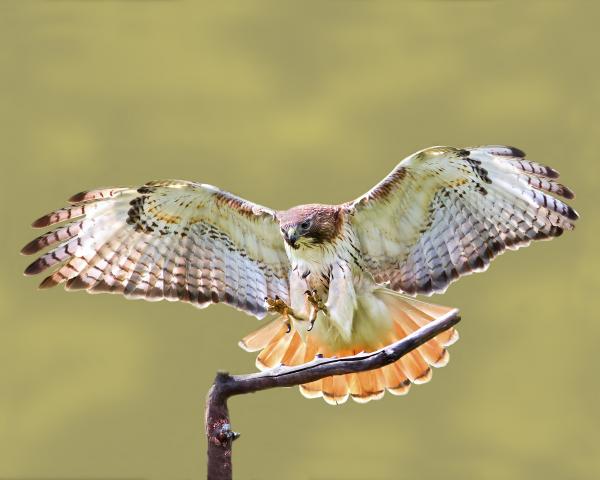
286	103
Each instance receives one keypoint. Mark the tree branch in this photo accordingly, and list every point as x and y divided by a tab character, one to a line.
217	423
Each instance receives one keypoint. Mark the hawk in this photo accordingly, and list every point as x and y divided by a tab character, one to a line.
340	278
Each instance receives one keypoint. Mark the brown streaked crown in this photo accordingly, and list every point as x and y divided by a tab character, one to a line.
325	221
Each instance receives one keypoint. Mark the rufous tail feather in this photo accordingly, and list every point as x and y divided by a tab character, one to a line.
278	347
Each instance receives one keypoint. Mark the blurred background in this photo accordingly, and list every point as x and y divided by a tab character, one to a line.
286	103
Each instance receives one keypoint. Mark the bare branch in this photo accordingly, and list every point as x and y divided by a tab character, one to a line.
217	423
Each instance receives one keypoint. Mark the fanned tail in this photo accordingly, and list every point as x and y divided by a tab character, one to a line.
408	315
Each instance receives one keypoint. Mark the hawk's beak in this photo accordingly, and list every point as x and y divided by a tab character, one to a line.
291	237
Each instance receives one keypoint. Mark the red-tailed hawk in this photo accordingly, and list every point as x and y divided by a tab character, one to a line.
339	277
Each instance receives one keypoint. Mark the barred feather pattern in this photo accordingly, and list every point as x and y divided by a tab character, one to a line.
446	212
173	240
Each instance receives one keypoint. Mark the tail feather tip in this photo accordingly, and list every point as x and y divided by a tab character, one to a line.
424	377
309	392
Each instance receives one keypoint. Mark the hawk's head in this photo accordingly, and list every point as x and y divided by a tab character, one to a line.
310	225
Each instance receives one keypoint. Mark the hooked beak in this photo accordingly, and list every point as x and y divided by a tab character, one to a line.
291	237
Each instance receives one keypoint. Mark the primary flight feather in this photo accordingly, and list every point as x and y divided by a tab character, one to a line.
337	276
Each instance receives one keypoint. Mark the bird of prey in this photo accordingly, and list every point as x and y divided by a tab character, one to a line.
339	278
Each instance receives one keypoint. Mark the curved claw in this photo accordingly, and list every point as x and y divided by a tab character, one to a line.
277	305
316	305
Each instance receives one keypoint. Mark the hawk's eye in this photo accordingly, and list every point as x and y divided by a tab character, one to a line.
304	225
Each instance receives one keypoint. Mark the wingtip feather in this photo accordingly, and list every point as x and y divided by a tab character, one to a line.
41	222
551	172
567	193
34	268
78	197
77	283
48	282
30	248
516	152
572	213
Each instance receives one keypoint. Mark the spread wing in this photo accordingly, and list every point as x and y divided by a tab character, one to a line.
171	240
446	212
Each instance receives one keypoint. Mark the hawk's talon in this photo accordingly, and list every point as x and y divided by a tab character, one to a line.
277	305
316	305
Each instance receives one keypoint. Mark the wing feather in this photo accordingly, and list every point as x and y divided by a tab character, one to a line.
171	240
446	212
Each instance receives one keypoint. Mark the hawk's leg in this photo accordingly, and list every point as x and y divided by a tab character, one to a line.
277	305
316	305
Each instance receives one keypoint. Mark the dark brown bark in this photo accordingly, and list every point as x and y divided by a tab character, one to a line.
217	423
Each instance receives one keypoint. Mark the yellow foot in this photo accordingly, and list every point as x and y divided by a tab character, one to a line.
277	305
316	305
